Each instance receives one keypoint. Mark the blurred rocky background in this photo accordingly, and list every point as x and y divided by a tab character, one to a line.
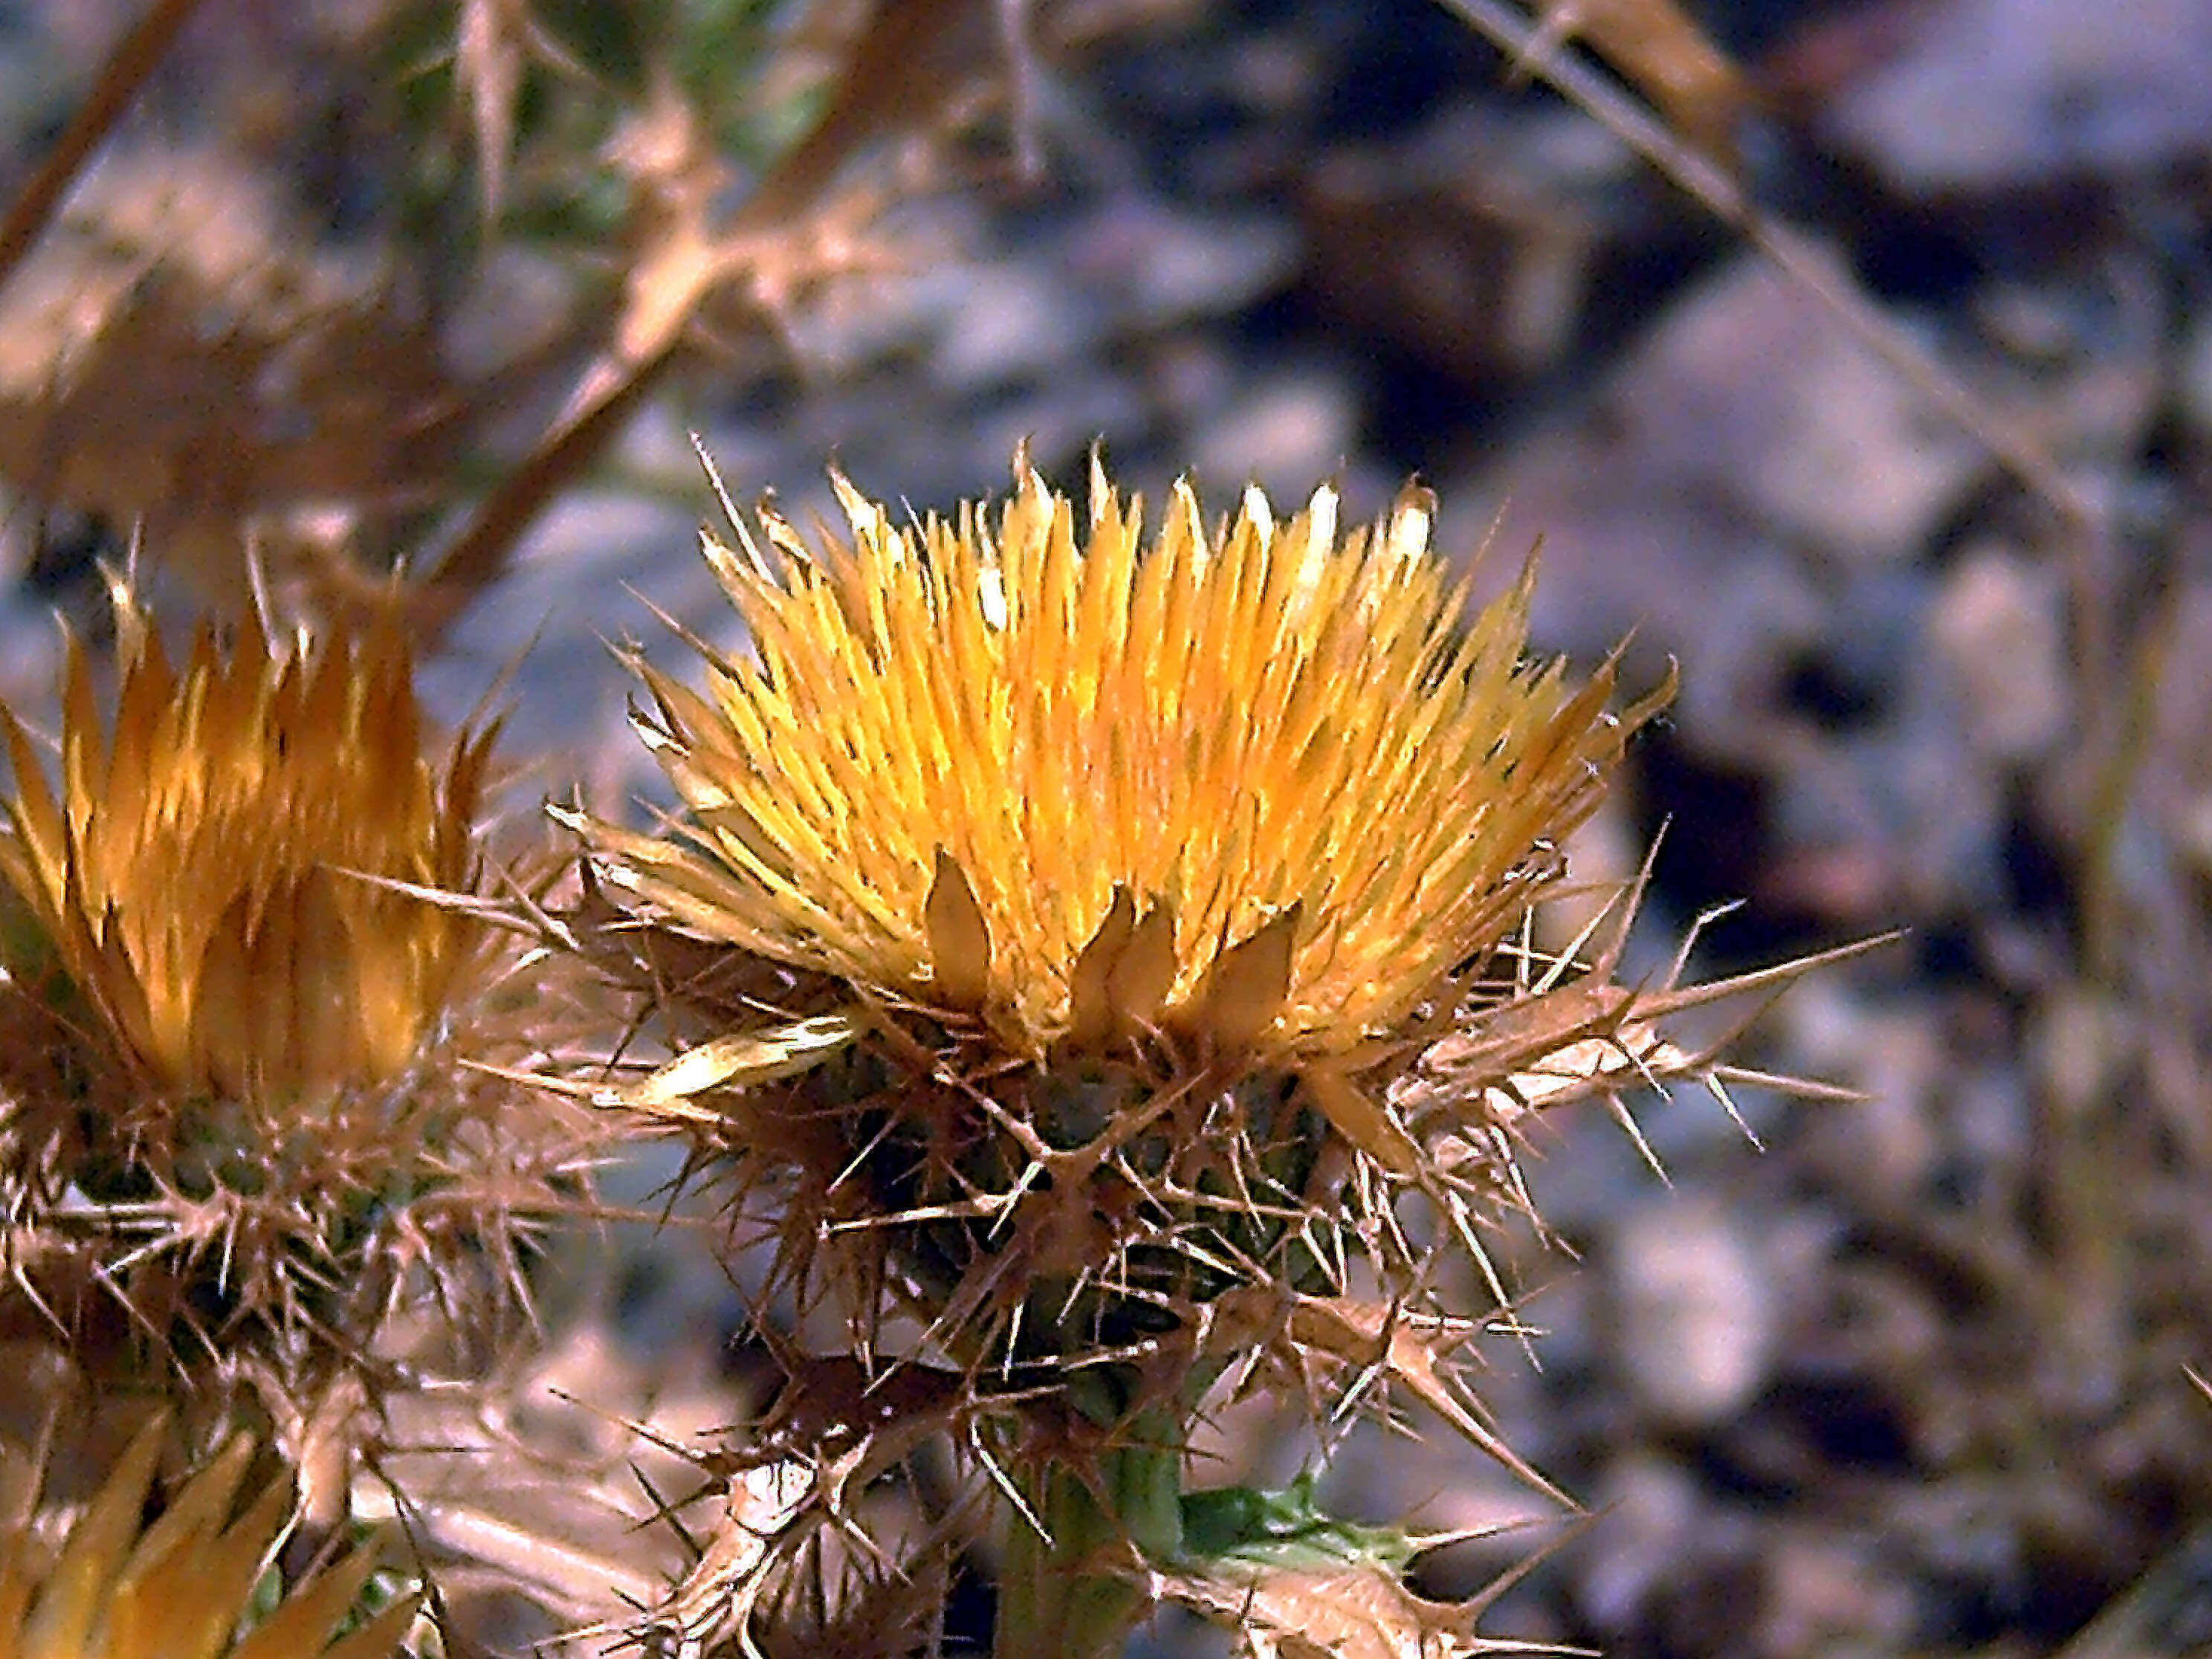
1910	1377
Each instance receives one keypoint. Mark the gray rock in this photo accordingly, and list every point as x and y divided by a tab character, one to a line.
1693	1320
1997	93
1999	629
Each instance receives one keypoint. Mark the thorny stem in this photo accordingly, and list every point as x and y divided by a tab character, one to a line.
1066	1590
1069	1588
610	392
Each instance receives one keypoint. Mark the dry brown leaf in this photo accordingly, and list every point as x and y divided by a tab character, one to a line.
1665	56
790	232
174	357
1342	1612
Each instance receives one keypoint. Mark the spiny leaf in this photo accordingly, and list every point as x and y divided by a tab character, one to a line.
1408	1349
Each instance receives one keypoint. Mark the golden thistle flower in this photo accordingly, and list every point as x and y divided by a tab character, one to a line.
1048	904
236	1128
198	878
1260	788
181	1587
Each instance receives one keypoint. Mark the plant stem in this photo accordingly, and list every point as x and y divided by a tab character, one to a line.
127	67
1069	1589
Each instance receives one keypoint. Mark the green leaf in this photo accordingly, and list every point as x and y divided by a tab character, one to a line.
1284	1529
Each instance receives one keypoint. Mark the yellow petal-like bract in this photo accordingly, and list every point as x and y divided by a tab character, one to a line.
180	1588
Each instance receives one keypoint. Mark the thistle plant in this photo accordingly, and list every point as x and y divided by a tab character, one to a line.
1080	948
237	1126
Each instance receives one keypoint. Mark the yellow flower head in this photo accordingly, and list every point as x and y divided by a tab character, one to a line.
1076	938
118	1588
1261	785
198	877
235	1130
